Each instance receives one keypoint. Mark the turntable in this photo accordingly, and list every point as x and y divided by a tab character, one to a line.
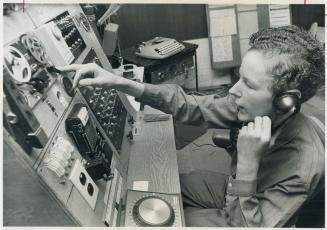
152	209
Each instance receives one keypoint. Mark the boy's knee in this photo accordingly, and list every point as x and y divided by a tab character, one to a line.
204	189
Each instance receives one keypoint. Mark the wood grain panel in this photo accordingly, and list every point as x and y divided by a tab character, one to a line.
153	157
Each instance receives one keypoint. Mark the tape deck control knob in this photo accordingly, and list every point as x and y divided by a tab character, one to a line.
56	32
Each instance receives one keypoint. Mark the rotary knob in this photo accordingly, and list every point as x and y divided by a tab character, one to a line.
56	32
68	86
153	211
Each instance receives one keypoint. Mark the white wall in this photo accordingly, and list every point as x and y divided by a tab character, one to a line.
208	77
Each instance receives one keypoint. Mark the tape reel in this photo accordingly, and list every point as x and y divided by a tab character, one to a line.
17	65
34	46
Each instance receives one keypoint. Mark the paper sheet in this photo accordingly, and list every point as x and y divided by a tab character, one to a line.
222	22
219	6
279	15
246	7
248	23
141	185
222	49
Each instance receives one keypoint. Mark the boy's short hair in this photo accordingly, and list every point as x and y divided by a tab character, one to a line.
295	59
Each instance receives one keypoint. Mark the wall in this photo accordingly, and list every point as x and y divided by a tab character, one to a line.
305	15
140	22
188	22
208	77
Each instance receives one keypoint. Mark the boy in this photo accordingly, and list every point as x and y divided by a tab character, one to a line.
280	158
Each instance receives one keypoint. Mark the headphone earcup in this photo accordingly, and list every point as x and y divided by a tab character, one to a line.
286	102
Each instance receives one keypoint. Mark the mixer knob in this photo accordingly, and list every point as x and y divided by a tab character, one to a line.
76	43
79	40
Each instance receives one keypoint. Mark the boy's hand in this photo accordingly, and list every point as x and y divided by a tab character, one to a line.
253	140
90	75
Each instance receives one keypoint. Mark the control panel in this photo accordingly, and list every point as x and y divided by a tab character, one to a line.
74	158
181	72
89	142
35	94
78	166
55	44
70	33
107	108
78	133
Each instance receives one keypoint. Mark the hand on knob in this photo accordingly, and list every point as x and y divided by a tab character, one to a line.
90	75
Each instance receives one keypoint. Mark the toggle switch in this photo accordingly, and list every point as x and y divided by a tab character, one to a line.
130	135
131	120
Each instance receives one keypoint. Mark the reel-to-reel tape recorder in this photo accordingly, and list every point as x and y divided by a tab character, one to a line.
48	118
40	103
37	94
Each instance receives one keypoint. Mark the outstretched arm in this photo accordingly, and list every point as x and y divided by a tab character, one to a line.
93	75
206	111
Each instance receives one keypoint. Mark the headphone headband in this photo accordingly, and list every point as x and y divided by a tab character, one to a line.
293	92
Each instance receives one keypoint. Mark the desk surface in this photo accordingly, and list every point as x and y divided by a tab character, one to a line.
153	156
129	55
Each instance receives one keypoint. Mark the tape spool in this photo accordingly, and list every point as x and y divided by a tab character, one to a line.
34	46
17	65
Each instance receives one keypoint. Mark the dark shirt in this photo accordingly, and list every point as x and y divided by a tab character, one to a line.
290	171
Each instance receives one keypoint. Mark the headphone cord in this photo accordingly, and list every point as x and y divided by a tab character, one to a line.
197	145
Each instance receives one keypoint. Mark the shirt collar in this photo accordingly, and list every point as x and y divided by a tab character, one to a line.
286	132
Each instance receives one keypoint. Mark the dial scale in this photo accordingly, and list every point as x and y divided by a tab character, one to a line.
152	209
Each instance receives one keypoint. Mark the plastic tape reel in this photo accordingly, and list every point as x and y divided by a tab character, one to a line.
34	46
16	63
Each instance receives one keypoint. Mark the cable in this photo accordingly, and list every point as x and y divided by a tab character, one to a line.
207	144
120	58
197	145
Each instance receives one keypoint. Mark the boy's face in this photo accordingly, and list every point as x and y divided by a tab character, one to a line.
252	92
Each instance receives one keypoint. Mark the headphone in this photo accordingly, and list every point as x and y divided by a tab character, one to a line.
287	101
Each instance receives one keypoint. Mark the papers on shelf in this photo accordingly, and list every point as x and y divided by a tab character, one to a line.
279	15
222	49
222	22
